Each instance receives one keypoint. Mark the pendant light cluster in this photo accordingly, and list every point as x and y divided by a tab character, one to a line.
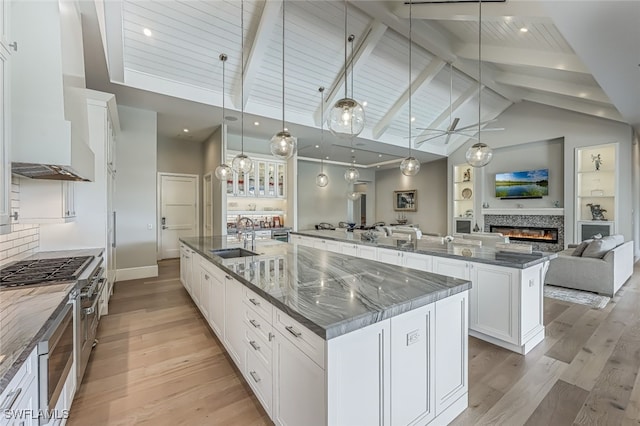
282	144
410	166
351	174
346	118
223	171
322	179
479	154
242	163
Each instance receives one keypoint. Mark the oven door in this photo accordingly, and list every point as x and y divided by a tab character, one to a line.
89	316
55	356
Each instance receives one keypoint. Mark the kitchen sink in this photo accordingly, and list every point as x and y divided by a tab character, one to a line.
233	253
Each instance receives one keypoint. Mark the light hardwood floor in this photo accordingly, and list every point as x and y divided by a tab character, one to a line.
158	363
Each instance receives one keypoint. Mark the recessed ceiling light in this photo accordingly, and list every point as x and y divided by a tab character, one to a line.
377	167
327	157
256	123
317	146
185	130
286	130
353	150
508	18
524	30
365	103
379	155
413	119
147	32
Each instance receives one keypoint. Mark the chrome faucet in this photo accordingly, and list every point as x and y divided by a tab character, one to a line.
243	223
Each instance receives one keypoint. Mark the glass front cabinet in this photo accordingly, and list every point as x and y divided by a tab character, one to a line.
266	179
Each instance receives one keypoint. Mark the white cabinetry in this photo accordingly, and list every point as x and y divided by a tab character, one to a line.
186	270
47	201
233	323
5	120
418	261
451	267
267	179
21	395
217	298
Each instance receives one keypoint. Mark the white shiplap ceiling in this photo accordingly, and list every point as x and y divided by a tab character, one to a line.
180	59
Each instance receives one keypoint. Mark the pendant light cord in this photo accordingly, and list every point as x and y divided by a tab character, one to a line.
283	7
450	93
410	74
479	63
242	74
321	90
346	93
223	58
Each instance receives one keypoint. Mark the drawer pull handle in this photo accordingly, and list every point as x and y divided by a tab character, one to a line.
255	302
254	345
228	277
271	336
254	323
291	330
254	376
10	399
206	277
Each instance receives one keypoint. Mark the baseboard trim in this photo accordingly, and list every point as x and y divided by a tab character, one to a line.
136	273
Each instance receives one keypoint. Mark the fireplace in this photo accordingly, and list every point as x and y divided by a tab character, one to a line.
527	233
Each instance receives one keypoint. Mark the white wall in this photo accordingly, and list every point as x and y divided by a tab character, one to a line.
182	157
525	122
329	204
135	198
530	156
431	186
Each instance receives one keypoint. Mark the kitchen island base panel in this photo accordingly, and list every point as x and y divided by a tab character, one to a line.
523	349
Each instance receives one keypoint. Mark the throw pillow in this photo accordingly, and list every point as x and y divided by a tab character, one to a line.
580	248
598	248
617	239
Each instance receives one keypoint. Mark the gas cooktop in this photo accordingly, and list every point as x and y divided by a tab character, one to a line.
29	272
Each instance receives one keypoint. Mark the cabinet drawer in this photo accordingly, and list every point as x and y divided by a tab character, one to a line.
260	380
259	347
258	304
19	384
304	339
257	323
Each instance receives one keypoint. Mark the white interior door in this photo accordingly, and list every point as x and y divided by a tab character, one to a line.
178	212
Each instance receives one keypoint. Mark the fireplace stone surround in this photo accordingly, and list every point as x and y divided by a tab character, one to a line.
539	221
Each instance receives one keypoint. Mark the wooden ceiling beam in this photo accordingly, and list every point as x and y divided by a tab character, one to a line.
372	35
424	78
260	39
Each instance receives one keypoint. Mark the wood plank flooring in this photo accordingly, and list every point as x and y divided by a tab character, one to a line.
158	363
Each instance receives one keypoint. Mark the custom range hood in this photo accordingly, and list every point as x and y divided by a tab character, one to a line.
49	120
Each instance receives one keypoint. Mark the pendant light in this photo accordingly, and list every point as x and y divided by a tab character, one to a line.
322	179
223	171
242	163
353	195
351	174
346	118
282	144
480	154
410	166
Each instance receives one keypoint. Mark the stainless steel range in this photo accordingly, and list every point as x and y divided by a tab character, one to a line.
79	319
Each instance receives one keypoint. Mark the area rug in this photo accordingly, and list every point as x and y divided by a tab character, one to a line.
575	296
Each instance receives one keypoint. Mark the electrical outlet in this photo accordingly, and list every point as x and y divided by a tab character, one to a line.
413	337
149	226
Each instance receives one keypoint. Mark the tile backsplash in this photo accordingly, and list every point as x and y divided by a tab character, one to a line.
24	239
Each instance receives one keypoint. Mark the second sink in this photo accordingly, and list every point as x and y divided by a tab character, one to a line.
233	252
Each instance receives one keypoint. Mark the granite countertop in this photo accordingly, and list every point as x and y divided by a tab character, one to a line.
25	314
455	251
331	294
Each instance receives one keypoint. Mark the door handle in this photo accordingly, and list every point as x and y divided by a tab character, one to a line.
163	221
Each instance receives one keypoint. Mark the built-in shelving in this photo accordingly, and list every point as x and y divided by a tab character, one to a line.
463	197
596	190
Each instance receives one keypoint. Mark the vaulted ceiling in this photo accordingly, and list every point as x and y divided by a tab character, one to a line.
524	57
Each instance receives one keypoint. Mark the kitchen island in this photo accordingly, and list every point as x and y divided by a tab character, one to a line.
325	339
505	300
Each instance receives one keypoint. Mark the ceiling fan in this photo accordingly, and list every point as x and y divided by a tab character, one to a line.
469	131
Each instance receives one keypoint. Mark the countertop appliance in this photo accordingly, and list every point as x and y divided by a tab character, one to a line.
280	234
55	358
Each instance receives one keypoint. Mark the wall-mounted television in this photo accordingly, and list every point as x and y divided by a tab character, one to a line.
524	184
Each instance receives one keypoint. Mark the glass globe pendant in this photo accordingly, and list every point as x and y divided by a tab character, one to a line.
242	164
282	145
346	118
410	166
322	180
479	155
351	174
223	172
353	195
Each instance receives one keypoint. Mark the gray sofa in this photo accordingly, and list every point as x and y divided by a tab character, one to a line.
603	266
